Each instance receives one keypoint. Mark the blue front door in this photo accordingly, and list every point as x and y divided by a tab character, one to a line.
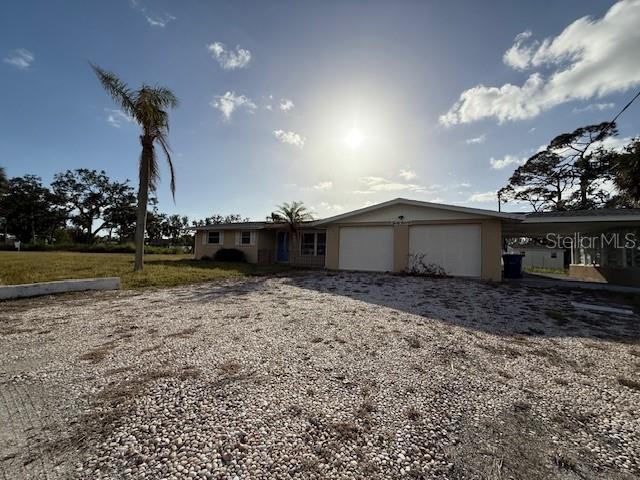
283	247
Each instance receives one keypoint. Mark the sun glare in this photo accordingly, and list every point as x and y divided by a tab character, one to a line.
354	138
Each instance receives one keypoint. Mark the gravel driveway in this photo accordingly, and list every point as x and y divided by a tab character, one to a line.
319	376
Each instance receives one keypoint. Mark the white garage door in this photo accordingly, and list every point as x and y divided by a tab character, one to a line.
456	248
366	248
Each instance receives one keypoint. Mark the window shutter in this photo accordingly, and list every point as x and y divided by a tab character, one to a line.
221	238
205	237
237	239
253	238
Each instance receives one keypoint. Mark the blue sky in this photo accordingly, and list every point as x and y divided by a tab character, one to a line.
339	104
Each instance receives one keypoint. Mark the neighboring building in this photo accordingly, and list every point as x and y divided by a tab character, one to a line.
596	239
541	257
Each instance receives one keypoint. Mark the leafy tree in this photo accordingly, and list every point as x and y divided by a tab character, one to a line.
155	221
216	219
4	181
148	107
626	174
90	198
121	215
31	209
174	227
4	186
543	181
571	173
582	150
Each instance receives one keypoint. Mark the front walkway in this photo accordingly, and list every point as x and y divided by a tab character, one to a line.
554	280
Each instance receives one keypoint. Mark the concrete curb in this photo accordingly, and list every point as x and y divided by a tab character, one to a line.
8	292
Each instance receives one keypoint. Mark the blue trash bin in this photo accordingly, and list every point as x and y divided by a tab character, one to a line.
512	265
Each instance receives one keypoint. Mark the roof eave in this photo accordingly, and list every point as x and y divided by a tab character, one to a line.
396	201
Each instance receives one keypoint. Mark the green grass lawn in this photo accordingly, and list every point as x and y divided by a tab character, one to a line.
159	270
558	271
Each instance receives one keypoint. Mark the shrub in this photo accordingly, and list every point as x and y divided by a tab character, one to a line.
418	267
229	255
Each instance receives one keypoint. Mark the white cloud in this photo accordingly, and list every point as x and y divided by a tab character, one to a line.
291	138
331	207
500	163
480	139
20	58
594	107
116	118
613	143
408	174
328	185
159	20
153	19
230	102
379	184
484	197
465	185
519	54
286	105
228	58
589	59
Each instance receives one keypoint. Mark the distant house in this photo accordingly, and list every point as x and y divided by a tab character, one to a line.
463	241
541	257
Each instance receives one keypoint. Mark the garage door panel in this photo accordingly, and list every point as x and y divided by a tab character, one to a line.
456	248
366	248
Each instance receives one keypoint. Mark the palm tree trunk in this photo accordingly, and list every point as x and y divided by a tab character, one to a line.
143	198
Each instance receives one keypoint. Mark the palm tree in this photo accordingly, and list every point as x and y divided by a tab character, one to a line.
293	214
148	107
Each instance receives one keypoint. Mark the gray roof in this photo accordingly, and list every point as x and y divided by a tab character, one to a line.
247	225
601	212
233	226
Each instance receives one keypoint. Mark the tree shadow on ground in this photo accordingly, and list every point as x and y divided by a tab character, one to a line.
494	308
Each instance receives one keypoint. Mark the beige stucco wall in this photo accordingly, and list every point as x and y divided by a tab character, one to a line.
207	250
491	250
332	255
400	247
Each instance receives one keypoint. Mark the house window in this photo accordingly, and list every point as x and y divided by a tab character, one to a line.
321	243
308	244
214	238
554	255
313	243
245	238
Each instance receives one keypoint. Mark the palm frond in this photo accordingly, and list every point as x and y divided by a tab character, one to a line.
162	140
163	98
116	88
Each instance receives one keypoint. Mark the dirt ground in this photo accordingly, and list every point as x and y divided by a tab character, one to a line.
320	375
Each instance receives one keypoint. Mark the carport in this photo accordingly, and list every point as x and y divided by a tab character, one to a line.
604	244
